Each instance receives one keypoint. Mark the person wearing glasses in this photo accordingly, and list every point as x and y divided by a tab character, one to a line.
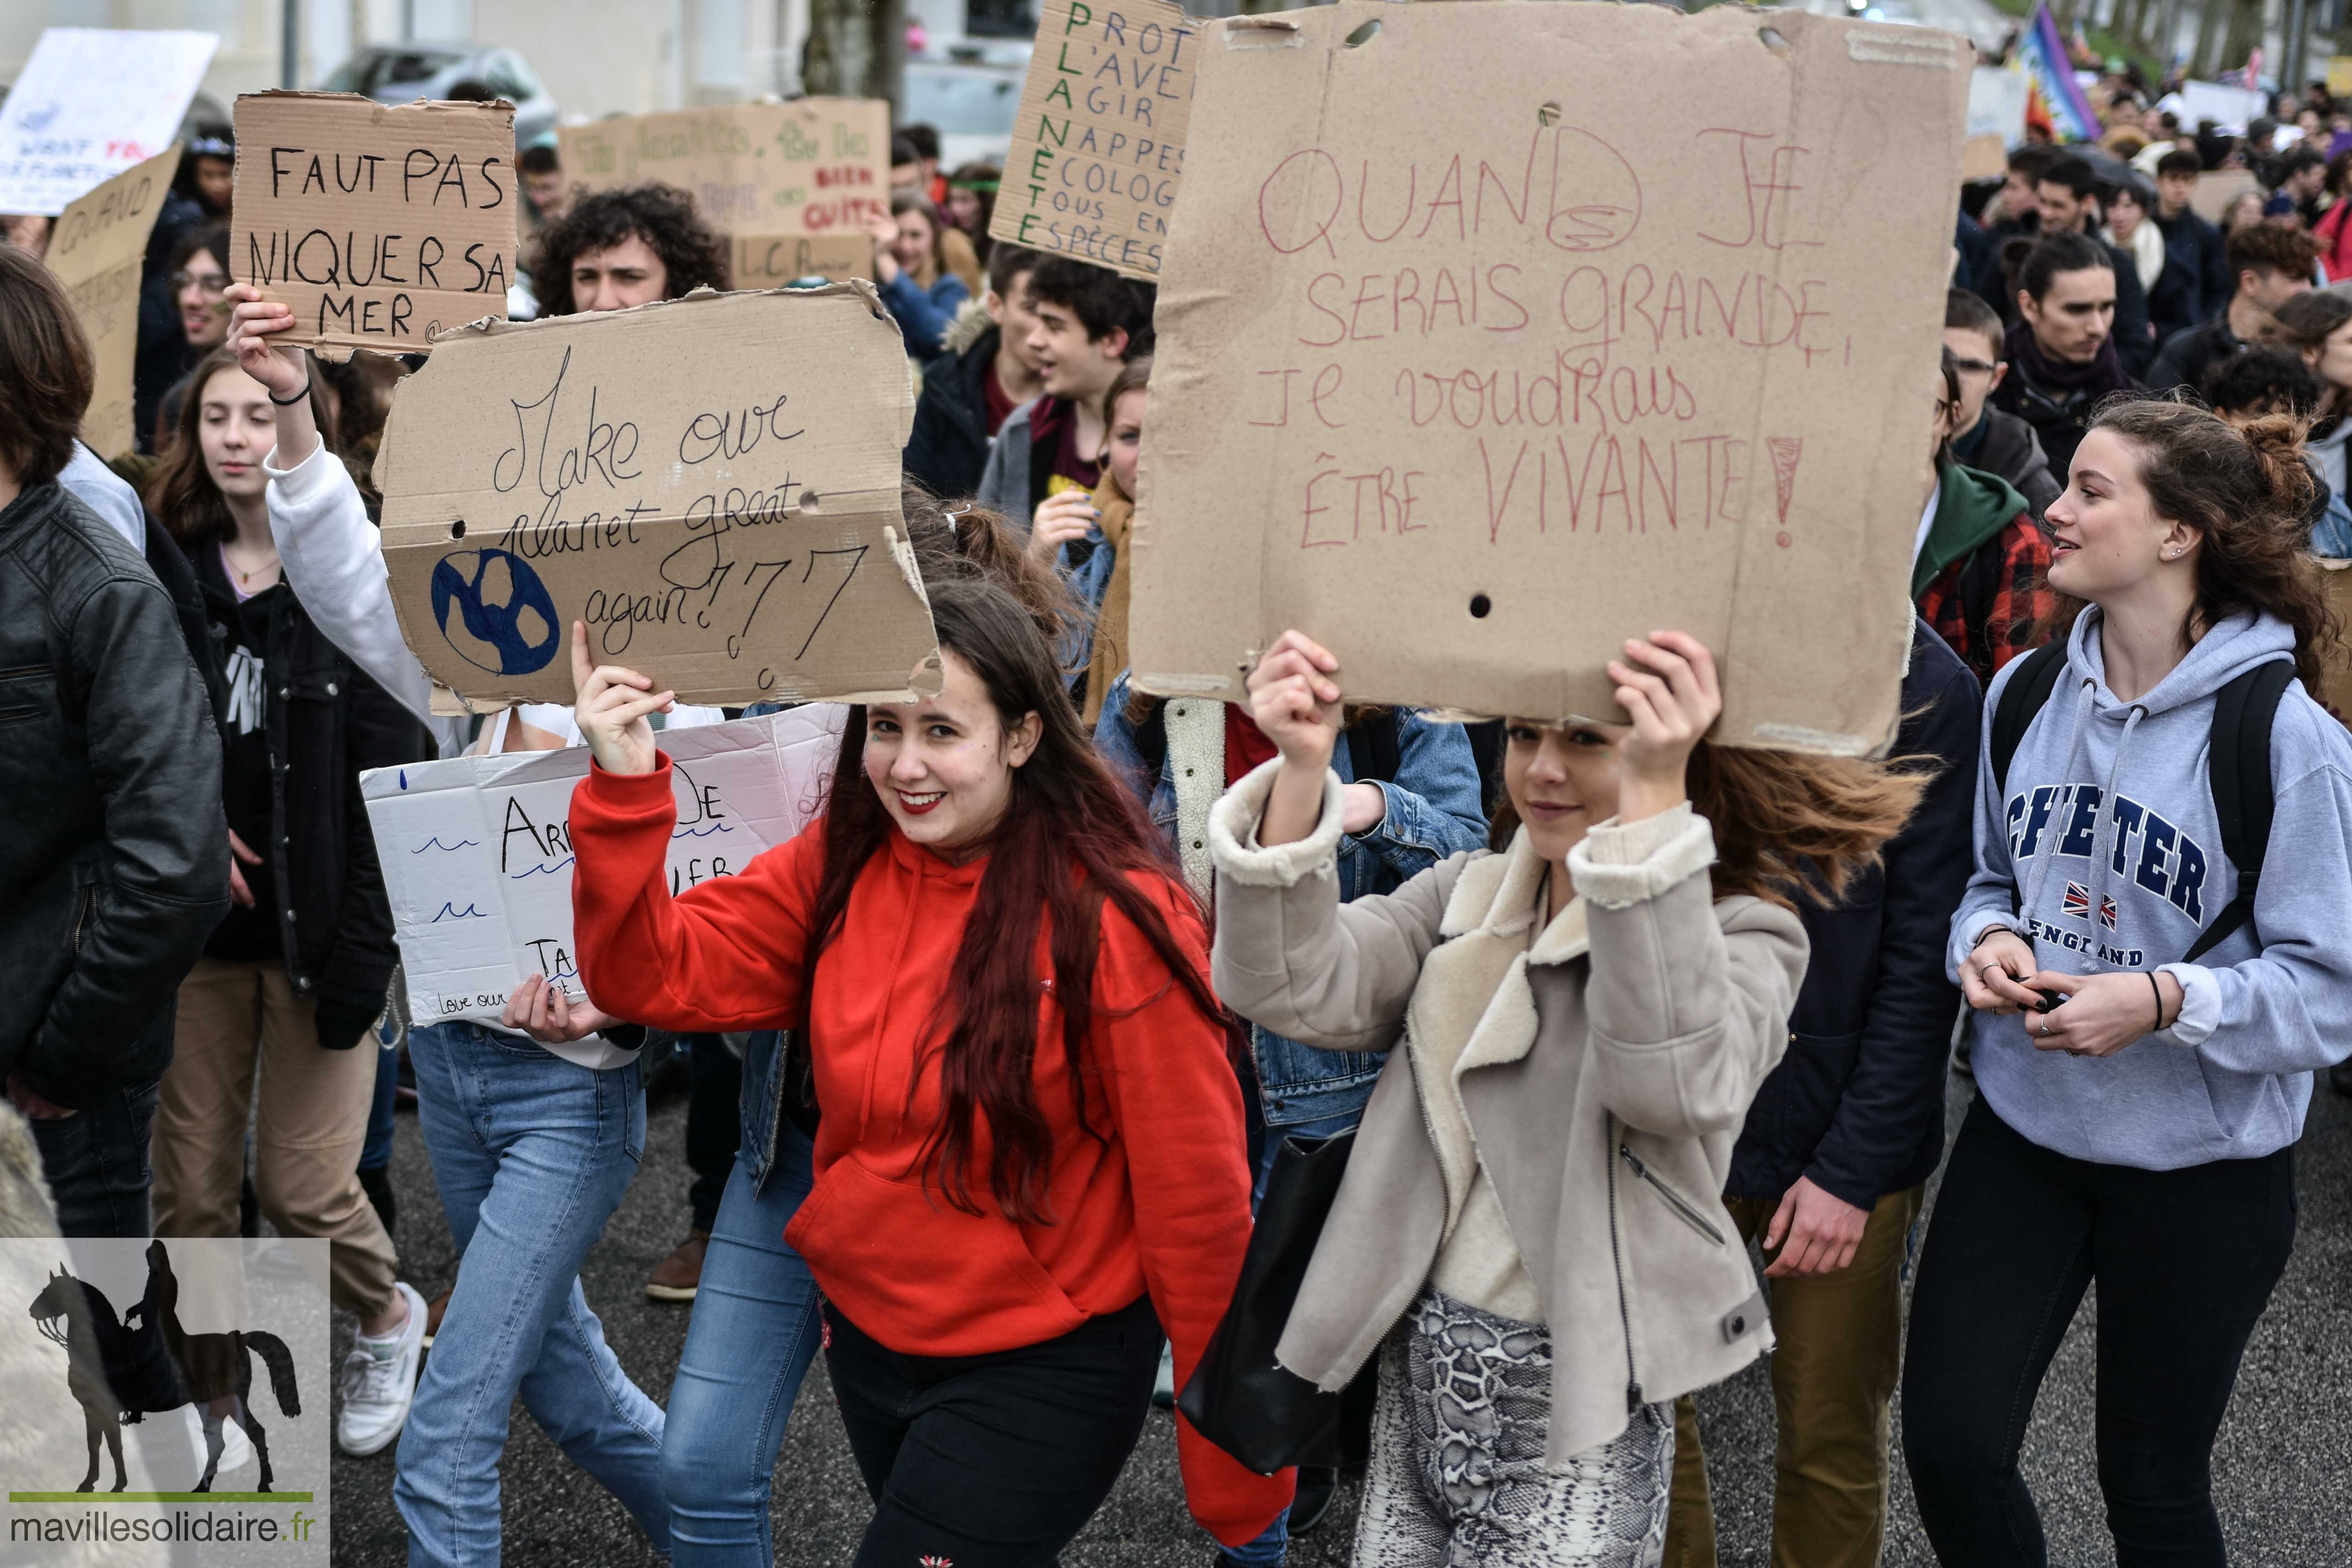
199	279
1983	437
1980	563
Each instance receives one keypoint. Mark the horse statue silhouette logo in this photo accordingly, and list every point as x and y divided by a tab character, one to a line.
118	1371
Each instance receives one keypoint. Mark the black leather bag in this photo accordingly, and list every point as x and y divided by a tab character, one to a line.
1238	1397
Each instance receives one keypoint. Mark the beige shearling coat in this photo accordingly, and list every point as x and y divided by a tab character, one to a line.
1602	1068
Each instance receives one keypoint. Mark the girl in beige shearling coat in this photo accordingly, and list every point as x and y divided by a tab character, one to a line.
1528	1234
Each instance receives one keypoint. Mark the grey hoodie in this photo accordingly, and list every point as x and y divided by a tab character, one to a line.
2130	887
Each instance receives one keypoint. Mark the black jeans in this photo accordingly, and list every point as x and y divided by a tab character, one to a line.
2185	1262
997	1460
714	1122
95	1161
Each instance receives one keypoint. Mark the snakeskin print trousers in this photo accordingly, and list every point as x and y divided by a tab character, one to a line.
1457	1477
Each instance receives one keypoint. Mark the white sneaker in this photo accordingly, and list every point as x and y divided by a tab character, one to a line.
379	1379
236	1448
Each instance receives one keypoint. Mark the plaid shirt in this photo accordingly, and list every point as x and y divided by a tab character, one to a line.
2022	601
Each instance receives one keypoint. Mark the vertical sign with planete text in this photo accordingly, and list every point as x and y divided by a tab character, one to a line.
1098	148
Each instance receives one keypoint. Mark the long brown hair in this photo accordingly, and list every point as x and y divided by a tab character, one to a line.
1788	824
1072	840
2247	491
180	492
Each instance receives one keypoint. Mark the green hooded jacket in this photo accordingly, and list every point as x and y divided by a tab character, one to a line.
1972	506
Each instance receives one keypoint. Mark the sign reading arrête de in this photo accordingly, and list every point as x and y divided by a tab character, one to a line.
1471	366
476	851
710	483
98	250
379	225
813	166
1099	149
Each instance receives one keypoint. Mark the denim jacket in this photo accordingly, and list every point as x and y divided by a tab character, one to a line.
1433	812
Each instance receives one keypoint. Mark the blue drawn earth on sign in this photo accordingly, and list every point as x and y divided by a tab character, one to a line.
495	612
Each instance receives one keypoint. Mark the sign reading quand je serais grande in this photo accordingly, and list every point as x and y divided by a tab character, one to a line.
710	483
1472	365
379	225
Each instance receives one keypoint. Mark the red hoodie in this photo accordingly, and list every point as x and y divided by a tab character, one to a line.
1160	1204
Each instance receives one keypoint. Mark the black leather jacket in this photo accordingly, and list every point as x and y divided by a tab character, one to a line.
113	868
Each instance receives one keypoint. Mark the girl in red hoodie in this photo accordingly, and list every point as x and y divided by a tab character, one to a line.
1031	1155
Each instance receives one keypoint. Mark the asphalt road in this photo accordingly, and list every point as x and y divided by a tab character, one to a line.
2282	1467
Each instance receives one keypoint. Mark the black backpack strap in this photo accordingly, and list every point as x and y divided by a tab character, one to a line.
2027	693
2238	768
1373	749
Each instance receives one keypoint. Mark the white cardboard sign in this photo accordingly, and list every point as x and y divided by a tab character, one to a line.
89	104
476	851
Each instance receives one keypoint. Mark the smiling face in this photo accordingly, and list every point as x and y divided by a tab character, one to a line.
914	241
197	290
1561	780
235	427
2105	538
1073	365
630	273
943	765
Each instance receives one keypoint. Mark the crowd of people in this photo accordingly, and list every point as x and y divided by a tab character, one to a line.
991	1066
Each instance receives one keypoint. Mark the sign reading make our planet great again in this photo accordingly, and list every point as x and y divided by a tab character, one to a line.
711	484
379	225
1099	149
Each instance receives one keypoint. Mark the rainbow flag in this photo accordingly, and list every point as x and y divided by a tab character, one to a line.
2050	74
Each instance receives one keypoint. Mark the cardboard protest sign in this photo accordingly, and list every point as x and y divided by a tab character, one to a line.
813	166
1098	148
476	851
711	483
1471	365
2217	188
770	261
2336	691
379	225
88	105
98	250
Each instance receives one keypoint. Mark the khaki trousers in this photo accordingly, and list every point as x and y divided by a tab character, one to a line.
235	1019
1840	1348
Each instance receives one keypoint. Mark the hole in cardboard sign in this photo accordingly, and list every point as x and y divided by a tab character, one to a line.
1481	607
1362	35
1548	115
1773	40
808	500
457	529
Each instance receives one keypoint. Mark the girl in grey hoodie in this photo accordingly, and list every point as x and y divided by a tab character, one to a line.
2137	1110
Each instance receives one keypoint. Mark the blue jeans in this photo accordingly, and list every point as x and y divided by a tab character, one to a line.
754	1330
534	1153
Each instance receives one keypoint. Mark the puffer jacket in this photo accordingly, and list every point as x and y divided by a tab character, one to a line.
115	865
1602	1071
